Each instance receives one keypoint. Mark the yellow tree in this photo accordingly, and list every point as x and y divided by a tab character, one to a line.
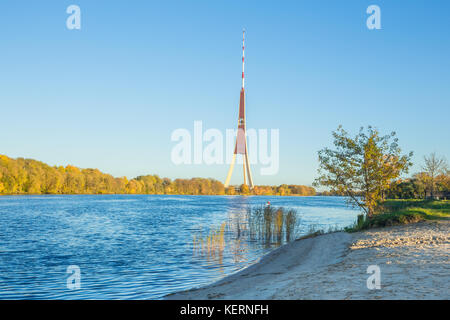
434	167
362	167
244	189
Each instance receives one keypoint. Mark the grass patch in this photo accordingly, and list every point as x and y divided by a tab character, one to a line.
430	209
397	212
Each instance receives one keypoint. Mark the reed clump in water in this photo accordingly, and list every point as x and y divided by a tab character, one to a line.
265	223
213	244
272	224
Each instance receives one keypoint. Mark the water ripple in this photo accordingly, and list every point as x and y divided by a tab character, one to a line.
128	246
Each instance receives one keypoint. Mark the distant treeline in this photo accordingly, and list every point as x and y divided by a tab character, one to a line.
420	186
27	176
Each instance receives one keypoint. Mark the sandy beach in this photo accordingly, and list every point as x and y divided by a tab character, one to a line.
413	260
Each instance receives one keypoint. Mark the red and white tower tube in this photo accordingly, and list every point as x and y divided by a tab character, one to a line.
241	140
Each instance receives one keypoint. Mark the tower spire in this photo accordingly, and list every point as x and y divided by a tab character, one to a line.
243	55
241	139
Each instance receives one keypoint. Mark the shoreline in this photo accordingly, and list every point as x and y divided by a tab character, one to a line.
413	260
157	194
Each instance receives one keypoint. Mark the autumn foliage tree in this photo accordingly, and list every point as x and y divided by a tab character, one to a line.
433	182
362	167
436	170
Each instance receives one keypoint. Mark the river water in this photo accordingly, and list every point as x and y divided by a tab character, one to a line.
134	246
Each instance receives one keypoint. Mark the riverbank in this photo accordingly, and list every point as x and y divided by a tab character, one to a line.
413	259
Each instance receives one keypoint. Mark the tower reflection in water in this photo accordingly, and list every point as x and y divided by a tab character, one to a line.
246	234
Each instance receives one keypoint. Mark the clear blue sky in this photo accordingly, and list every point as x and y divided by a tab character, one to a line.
109	95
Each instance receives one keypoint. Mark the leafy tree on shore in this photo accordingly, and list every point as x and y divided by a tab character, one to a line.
420	185
244	189
362	167
405	189
435	167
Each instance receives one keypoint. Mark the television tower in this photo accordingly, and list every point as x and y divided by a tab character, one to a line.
241	140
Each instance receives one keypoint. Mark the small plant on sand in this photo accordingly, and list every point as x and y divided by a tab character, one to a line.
358	225
384	220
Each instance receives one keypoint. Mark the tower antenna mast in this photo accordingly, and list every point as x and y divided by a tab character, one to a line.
241	140
243	56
